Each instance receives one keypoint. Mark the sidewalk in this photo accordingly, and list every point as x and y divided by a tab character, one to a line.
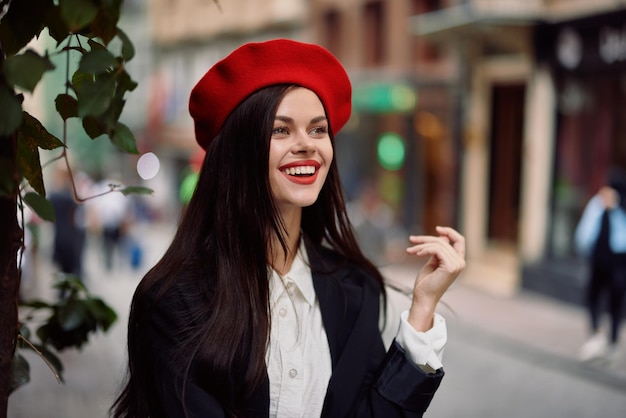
523	335
525	321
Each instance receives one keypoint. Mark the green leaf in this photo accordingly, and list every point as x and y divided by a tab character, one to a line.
95	45
56	26
23	21
77	13
104	315
20	372
33	129
40	205
128	49
53	360
70	283
44	331
72	315
125	83
112	116
136	190
67	106
79	79
25	70
104	123
104	25
93	127
11	114
98	61
35	304
30	137
29	163
123	138
94	97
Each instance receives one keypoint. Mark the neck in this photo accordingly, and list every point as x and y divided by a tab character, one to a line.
280	261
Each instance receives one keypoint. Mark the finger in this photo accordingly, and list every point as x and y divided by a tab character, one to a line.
420	249
451	233
457	240
438	248
443	252
418	240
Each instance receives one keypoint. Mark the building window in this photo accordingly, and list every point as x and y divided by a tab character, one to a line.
332	32
373	33
424	50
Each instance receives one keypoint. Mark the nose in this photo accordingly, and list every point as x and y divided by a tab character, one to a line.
303	144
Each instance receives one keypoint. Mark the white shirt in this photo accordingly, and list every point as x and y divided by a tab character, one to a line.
298	356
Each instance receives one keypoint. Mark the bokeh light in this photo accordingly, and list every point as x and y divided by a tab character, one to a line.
148	166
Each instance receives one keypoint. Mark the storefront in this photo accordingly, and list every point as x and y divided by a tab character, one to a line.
587	60
397	143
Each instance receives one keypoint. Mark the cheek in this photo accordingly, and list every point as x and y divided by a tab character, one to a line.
275	155
329	153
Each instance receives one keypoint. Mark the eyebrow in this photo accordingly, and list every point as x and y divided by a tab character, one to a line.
288	119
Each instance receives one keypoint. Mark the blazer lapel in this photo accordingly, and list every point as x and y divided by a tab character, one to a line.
350	316
339	303
259	404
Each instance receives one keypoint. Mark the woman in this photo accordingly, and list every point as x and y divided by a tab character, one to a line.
600	237
264	305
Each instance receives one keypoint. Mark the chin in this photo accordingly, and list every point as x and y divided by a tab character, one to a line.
300	202
304	203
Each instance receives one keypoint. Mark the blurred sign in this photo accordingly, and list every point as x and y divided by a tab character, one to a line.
384	98
592	44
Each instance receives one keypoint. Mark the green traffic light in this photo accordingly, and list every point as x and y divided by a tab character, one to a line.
391	151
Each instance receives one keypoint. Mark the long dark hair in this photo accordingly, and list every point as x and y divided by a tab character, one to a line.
221	250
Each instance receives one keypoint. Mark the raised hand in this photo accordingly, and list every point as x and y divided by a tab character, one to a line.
447	260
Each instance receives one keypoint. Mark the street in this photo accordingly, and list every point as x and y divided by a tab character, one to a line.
506	357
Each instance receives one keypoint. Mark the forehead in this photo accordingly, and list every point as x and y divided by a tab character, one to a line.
300	100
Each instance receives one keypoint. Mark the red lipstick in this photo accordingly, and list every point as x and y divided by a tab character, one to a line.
303	179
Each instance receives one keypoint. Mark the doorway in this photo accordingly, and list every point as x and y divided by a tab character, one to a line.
507	130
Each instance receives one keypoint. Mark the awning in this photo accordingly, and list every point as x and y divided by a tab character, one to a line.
474	17
465	17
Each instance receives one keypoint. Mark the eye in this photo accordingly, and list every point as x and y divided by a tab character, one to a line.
319	131
280	131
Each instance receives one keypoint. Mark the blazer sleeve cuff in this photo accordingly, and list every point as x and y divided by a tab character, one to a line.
404	383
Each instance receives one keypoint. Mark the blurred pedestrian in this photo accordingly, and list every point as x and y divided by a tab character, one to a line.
112	213
69	224
372	219
264	305
190	178
601	237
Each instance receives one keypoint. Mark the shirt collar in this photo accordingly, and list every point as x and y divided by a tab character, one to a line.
299	274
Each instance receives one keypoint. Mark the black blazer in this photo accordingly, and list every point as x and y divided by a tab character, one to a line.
365	381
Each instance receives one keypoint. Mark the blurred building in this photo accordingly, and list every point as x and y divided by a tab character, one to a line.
541	123
585	55
500	117
401	137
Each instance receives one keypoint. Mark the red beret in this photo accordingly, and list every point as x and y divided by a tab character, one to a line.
257	65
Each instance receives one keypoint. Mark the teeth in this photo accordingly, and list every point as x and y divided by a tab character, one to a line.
292	171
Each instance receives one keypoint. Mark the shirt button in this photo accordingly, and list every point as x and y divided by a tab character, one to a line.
282	312
293	373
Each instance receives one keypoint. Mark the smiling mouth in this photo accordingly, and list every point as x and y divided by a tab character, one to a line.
300	171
